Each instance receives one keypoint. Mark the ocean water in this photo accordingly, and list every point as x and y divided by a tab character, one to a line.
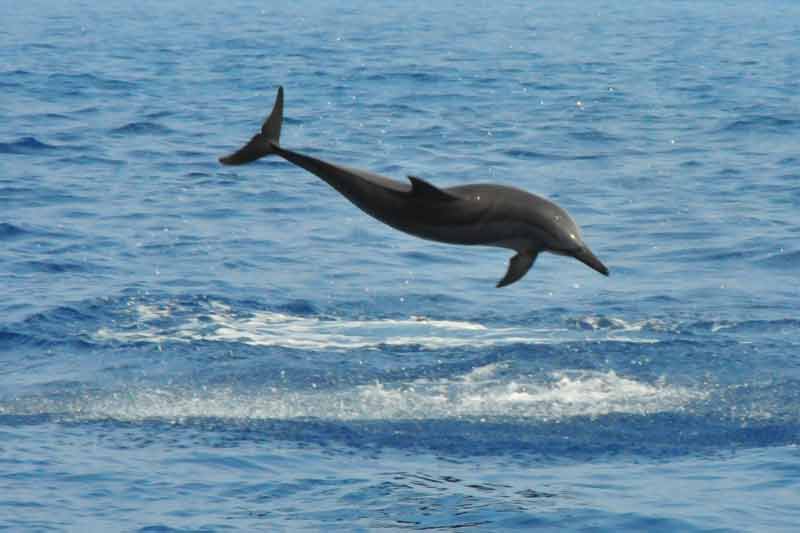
191	347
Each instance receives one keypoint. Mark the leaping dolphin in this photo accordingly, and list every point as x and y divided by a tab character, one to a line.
491	215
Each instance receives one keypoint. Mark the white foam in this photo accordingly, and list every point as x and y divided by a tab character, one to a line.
217	322
482	393
617	324
152	312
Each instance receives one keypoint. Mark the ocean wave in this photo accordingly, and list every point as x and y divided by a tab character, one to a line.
10	231
26	146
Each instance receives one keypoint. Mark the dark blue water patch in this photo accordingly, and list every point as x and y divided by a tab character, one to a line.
56	267
154	115
141	128
550	156
163	528
86	81
587	519
21	420
10	231
705	255
298	307
658	436
729	172
407	75
701	88
594	136
90	110
197	175
761	124
16	78
425	258
14	196
174	167
51	117
16	231
392	109
292	121
10	340
192	154
421	501
36	344
789	260
69	138
90	161
16	72
145	155
26	146
682	149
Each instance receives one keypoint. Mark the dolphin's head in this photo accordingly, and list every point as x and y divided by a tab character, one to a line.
566	239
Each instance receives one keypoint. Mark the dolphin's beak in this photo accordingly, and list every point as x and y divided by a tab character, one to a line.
585	256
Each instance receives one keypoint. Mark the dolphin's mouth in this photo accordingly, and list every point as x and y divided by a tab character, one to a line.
585	256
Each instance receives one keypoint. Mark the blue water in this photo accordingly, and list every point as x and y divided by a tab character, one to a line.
191	347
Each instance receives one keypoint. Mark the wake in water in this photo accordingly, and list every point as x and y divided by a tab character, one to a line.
457	369
218	322
487	391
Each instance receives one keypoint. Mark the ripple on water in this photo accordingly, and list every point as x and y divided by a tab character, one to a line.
26	146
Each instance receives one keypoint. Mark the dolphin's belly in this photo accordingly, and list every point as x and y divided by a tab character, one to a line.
476	219
504	234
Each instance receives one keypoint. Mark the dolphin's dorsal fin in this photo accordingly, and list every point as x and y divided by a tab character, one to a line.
422	189
518	266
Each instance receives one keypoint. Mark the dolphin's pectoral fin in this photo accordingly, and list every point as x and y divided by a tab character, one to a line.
424	190
518	266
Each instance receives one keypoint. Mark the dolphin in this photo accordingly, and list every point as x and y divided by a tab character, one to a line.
479	214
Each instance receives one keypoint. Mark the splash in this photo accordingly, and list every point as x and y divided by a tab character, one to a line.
485	392
218	322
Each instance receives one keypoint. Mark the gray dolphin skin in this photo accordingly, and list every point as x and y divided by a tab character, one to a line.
484	214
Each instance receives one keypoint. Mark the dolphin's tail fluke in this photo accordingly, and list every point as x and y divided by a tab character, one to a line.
262	144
